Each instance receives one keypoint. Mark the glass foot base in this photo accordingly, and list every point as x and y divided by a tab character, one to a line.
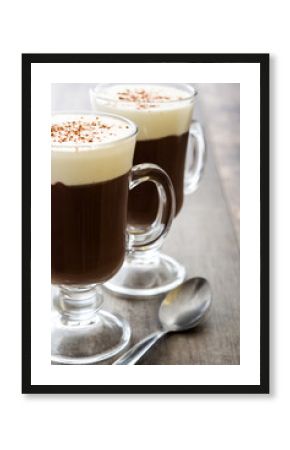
146	276
100	338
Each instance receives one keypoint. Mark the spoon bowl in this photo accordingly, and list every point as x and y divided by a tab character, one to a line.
185	307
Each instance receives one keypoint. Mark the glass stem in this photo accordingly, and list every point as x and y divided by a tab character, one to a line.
145	256
79	304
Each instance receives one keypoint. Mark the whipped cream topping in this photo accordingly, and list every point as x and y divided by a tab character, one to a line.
88	129
144	96
90	148
158	110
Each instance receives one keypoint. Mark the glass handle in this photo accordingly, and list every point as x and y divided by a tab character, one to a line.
195	158
148	238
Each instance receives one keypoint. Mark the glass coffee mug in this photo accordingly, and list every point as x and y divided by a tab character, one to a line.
91	175
169	138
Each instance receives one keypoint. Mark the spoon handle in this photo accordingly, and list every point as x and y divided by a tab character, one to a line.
137	351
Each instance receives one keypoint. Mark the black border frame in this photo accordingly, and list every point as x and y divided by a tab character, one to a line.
255	58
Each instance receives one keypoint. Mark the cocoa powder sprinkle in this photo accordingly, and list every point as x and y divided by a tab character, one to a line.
84	131
142	98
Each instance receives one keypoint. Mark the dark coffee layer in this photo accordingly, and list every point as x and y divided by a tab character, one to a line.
88	224
169	153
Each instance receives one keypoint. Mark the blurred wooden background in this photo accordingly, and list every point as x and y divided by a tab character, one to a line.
220	106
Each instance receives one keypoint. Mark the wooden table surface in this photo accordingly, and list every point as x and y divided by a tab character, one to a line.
204	237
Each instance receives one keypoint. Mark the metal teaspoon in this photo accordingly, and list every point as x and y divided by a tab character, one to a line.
182	309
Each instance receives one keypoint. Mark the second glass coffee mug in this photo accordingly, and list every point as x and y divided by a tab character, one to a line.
91	175
169	138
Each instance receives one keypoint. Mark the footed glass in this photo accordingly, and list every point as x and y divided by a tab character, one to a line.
83	333
170	138
90	185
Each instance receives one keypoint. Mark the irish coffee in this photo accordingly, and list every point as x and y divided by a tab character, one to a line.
91	160
91	175
163	114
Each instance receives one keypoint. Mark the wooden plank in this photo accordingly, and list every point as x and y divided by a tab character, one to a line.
220	107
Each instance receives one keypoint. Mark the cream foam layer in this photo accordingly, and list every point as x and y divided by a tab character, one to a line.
158	110
100	157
